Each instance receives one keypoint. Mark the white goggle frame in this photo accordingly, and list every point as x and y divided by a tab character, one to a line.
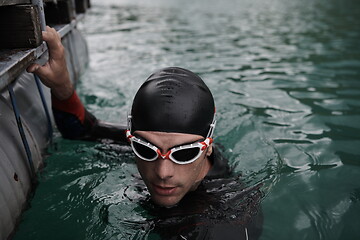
170	154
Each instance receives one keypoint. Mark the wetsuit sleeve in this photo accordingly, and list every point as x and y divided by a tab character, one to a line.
75	122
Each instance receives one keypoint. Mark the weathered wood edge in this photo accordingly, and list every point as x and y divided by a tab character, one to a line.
19	59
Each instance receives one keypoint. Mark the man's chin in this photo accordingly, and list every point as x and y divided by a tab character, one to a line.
167	202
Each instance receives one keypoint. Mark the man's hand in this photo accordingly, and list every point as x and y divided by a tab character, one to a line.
54	74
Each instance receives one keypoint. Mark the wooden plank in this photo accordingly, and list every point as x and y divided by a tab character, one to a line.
61	12
20	27
13	2
14	62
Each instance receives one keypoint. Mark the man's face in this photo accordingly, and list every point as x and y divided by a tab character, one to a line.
167	181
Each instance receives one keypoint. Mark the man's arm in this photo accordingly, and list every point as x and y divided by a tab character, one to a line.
71	117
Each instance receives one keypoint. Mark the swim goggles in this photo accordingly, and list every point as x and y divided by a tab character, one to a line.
184	154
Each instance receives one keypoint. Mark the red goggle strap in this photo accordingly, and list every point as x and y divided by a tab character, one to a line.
166	156
206	143
128	135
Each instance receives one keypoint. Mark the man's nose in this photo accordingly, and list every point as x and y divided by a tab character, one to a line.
165	168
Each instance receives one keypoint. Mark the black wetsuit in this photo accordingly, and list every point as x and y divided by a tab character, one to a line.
221	207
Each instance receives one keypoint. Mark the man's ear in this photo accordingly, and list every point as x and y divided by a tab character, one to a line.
209	150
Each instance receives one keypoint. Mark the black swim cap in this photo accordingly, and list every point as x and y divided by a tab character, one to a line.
173	100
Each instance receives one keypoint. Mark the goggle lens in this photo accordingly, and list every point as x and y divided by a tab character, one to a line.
144	151
185	155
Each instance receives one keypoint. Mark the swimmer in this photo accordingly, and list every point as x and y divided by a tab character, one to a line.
170	127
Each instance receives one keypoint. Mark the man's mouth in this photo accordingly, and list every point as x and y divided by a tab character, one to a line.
164	190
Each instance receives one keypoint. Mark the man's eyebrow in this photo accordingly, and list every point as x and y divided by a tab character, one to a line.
145	140
142	138
188	143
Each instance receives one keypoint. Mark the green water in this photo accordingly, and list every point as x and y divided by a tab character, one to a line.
286	79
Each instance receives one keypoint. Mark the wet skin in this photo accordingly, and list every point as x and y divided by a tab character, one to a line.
167	181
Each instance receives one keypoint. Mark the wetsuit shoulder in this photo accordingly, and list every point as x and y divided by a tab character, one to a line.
219	209
220	166
75	122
